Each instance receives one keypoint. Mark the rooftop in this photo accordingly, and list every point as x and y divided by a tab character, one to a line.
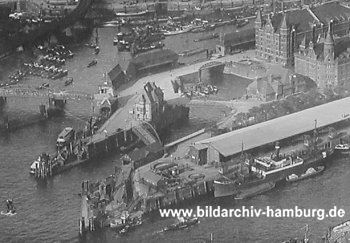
340	47
280	128
155	57
238	36
301	19
331	11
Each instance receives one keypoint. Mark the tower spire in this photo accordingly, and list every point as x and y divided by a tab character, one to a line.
284	22
329	42
258	21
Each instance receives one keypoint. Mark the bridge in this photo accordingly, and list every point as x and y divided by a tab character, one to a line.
52	103
30	93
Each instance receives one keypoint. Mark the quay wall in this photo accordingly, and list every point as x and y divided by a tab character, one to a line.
184	195
180	147
119	141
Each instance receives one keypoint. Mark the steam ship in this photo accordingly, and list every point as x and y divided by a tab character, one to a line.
264	170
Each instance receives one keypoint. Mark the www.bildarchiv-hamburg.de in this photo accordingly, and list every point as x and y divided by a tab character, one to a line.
252	212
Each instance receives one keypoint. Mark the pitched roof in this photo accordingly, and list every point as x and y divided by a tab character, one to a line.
155	57
301	19
267	88
331	11
115	72
238	36
340	47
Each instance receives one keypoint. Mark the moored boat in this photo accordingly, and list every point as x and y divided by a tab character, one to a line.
342	148
179	31
92	63
272	169
338	233
254	191
182	224
120	14
11	209
241	23
224	187
309	173
36	164
68	81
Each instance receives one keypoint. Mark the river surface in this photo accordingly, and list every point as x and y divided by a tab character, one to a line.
49	212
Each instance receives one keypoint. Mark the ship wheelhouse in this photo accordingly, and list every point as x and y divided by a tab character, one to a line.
266	165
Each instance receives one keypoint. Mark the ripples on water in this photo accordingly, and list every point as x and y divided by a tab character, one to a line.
50	212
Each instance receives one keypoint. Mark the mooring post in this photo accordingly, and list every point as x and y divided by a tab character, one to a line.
6	122
2	101
43	111
36	170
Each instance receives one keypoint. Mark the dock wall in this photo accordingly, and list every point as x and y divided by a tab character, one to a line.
120	141
180	147
179	196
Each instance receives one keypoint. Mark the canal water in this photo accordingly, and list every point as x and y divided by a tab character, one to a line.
49	212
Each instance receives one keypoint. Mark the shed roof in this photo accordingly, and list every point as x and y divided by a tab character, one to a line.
154	58
280	128
151	177
331	11
115	72
301	19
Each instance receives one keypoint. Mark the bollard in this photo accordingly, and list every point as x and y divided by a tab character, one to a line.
81	226
83	188
36	170
51	168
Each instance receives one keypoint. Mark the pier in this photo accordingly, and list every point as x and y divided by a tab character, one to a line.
173	180
224	146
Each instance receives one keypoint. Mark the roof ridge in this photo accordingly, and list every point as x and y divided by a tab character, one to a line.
313	15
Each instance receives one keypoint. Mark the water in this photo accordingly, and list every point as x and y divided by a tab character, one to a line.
50	212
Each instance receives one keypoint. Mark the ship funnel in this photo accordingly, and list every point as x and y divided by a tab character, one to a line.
277	150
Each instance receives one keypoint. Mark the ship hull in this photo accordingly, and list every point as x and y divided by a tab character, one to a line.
254	191
230	189
224	189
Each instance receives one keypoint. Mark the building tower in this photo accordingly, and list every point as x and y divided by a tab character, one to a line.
285	40
18	6
314	33
292	46
328	50
257	28
258	22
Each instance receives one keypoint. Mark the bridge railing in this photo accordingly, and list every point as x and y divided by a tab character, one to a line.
17	92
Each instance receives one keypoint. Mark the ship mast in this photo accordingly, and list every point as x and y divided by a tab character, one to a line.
315	136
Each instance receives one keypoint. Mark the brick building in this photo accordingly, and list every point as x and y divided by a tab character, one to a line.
278	35
279	84
327	61
151	104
